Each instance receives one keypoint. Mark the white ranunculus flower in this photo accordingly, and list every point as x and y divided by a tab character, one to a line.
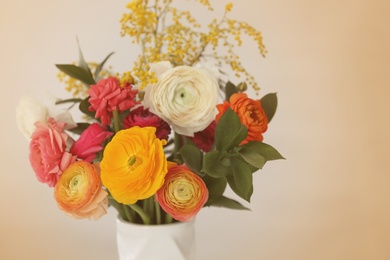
29	111
185	97
209	66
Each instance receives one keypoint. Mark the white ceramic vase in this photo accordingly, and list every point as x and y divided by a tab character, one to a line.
174	241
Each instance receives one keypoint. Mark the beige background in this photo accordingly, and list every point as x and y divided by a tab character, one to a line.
329	62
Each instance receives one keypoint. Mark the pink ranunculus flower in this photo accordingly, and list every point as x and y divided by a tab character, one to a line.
90	142
204	140
143	117
108	95
48	155
183	194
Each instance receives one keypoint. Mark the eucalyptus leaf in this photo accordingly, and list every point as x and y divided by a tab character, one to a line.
216	187
269	103
192	157
77	73
213	165
228	203
229	132
100	66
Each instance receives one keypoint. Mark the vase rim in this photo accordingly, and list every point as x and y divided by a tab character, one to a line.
121	221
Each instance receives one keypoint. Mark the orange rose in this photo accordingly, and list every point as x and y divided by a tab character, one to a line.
79	192
251	115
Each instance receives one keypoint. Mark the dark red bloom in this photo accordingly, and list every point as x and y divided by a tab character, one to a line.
108	95
143	117
204	140
90	142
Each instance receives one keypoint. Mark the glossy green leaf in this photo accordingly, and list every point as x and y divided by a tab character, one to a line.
229	132
269	103
192	157
230	89
267	151
216	187
214	165
101	65
228	203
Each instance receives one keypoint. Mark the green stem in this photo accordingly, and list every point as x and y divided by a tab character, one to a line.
158	212
168	219
128	213
178	144
116	120
145	218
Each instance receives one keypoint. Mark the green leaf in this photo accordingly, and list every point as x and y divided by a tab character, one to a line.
241	179
79	128
82	63
253	158
100	66
265	150
230	89
84	105
229	131
269	103
71	100
192	157
229	203
216	187
215	165
77	73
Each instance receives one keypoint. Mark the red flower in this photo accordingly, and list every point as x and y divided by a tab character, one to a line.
90	142
107	96
204	140
143	117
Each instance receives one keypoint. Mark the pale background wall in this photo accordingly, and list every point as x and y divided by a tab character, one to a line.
329	63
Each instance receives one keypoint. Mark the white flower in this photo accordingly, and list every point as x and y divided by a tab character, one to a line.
29	111
210	67
185	97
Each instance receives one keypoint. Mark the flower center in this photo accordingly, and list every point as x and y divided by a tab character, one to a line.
133	162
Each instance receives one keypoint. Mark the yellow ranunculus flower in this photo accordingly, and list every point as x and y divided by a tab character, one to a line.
134	164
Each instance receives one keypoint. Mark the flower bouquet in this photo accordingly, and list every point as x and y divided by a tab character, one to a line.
166	138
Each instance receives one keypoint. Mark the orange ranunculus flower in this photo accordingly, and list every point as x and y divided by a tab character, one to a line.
183	194
79	192
134	164
251	115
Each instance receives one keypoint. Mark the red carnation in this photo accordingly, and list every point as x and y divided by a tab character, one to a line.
107	96
143	117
